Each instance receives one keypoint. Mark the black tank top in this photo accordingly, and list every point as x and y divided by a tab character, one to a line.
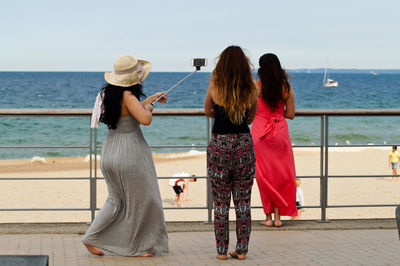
222	124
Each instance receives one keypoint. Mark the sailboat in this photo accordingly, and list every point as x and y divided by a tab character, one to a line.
327	82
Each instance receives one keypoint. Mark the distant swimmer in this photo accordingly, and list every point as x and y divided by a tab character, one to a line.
394	157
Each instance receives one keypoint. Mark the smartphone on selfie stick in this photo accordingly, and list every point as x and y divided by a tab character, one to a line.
197	63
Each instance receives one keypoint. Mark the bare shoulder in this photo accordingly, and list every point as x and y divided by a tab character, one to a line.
212	90
211	86
129	97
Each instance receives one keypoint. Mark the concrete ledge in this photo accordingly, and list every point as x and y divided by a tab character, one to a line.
80	228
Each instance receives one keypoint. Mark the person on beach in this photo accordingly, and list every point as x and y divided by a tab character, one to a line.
177	185
180	185
131	222
232	101
275	169
299	200
394	157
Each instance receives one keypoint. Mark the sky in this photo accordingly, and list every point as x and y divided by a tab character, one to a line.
90	35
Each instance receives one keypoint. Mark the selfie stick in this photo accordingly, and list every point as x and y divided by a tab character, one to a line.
182	80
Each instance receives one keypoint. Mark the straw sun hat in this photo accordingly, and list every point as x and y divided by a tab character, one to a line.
128	71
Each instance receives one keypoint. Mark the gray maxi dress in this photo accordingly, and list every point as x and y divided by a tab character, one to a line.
131	222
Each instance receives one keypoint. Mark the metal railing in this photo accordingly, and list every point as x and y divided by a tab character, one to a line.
93	151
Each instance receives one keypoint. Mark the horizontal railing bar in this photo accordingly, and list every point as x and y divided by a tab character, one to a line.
185	177
194	208
45	209
308	207
306	146
362	145
177	146
198	112
198	177
45	178
170	177
349	112
359	176
308	176
176	208
205	207
187	208
360	206
171	146
81	178
194	146
44	147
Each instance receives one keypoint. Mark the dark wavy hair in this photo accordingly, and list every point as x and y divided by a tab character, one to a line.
274	79
112	99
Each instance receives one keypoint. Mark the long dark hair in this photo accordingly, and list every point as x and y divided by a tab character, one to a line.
112	99
275	85
234	83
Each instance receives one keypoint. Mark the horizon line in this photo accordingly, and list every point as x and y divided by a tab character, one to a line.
160	71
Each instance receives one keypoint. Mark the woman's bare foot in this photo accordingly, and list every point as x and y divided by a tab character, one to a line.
146	255
267	223
278	223
234	254
277	218
221	256
93	250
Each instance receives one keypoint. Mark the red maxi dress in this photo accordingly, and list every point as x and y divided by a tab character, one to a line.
275	170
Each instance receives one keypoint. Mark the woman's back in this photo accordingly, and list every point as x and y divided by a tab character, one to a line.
126	124
223	125
264	110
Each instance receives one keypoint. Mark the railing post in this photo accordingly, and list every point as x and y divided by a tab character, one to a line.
321	169
91	172
325	176
93	183
209	194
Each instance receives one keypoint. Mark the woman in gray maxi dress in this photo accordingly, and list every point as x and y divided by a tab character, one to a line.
131	222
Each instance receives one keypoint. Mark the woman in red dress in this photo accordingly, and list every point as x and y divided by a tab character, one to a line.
275	170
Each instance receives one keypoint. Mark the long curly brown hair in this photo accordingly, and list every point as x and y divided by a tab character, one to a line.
274	79
234	83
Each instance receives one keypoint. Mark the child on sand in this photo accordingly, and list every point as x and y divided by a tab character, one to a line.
177	184
394	161
299	200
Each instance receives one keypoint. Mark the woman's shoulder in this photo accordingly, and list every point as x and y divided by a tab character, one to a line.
128	96
213	93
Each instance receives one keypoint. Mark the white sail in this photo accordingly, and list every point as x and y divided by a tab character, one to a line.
327	82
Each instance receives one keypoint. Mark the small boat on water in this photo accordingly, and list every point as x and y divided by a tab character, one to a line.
327	82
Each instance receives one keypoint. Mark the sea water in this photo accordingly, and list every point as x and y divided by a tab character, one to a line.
79	90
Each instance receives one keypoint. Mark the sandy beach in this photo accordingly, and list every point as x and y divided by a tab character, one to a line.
75	193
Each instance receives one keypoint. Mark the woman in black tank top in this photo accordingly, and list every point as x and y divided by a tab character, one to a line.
223	125
232	101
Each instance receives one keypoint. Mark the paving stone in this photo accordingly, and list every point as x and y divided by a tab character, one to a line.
330	247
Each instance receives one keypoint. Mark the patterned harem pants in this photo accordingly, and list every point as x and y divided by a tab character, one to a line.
231	168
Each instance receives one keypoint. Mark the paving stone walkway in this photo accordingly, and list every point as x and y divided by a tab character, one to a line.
303	247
